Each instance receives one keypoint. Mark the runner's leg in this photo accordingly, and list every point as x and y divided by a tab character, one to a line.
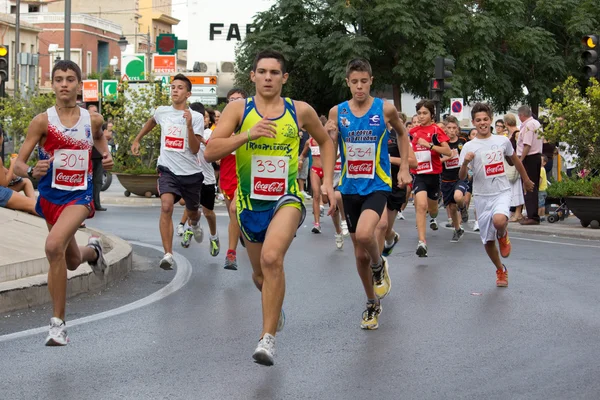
421	203
167	200
315	183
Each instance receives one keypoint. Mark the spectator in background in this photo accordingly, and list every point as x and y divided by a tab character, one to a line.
107	129
529	150
516	185
500	128
9	198
548	150
415	120
303	165
569	157
542	190
98	171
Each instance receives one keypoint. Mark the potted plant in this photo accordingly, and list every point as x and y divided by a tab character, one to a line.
129	112
575	121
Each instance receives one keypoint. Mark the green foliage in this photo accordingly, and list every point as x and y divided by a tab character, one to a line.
106	74
130	111
575	120
589	187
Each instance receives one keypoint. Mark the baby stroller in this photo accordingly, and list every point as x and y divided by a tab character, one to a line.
560	213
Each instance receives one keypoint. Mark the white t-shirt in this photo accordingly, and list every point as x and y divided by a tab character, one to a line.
207	168
489	176
175	153
570	158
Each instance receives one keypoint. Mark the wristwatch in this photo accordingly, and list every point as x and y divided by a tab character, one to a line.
30	172
431	146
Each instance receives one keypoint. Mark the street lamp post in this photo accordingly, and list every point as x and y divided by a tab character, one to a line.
67	46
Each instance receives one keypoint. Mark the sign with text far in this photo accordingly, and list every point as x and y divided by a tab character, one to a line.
201	80
204	90
206	100
164	64
133	67
90	90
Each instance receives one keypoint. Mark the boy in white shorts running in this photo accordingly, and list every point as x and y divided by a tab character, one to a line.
491	188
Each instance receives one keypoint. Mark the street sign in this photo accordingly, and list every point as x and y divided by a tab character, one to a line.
202	80
110	90
206	100
166	43
90	90
198	90
456	107
164	64
133	67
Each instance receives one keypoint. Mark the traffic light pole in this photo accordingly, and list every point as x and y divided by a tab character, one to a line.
67	46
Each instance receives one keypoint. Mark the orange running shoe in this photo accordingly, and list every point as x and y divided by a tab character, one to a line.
502	277
505	246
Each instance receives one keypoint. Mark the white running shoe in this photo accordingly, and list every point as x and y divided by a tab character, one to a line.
98	266
180	229
167	262
198	232
339	241
265	351
345	230
306	195
476	226
322	210
57	336
400	216
433	224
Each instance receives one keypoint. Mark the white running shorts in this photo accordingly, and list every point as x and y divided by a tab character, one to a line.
487	207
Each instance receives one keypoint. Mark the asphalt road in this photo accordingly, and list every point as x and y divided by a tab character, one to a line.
446	331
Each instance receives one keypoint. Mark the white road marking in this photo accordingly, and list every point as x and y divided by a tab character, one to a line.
182	276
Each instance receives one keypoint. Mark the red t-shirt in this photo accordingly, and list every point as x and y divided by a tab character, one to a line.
228	177
429	160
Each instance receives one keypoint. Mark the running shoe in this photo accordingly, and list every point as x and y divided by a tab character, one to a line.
382	284
215	247
449	224
345	230
316	228
502	277
400	216
322	210
265	351
464	213
180	229
388	248
57	336
198	233
422	249
231	261
220	197
281	322
476	227
339	241
187	238
306	195
505	245
167	262
433	224
457	235
370	317
98	266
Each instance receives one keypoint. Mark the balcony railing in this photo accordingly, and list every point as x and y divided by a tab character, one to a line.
84	19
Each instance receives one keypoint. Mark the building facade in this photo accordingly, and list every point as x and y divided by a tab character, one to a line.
156	18
29	44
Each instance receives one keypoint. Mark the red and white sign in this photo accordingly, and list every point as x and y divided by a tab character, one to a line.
175	136
338	166
269	177
493	163
70	168
361	160
164	64
90	91
424	161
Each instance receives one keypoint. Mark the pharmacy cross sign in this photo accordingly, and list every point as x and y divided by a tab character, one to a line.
166	43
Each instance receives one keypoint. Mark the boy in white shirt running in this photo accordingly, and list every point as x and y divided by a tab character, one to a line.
491	188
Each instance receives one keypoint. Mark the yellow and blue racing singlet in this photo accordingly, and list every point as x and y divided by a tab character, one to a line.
364	148
267	167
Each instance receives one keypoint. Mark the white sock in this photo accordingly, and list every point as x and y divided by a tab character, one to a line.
215	237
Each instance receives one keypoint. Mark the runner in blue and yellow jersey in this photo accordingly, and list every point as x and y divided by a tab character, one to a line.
361	127
269	203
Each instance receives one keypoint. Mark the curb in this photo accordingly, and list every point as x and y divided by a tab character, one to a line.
573	233
33	291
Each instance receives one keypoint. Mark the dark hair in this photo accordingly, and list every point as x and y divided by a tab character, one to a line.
481	107
360	65
499	121
198	107
237	90
451	119
181	77
211	117
428	104
65	65
92	105
544	158
270	54
104	126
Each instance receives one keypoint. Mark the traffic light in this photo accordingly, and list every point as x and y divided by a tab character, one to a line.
591	62
441	72
4	64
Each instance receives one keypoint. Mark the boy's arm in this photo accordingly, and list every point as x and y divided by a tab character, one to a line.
35	132
148	126
527	183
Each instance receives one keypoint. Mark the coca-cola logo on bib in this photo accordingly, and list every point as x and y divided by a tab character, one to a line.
453	162
360	167
269	186
494	169
424	166
70	178
174	143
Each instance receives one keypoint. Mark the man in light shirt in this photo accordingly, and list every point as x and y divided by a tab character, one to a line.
529	151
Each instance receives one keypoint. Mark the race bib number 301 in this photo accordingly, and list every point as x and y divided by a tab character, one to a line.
70	169
175	137
493	163
269	177
360	160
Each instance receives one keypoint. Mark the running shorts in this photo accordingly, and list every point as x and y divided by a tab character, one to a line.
51	212
448	189
355	204
207	196
186	187
396	199
487	207
254	224
5	195
318	171
429	183
303	172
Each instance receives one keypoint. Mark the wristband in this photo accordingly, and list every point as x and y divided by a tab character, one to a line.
249	138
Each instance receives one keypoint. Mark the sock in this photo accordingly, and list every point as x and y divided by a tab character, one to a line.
231	252
377	267
215	237
433	216
390	243
371	301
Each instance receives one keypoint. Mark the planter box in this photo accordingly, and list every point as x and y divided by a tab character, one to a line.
587	209
142	185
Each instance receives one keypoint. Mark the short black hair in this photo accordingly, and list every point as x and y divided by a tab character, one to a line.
182	77
237	90
270	54
198	107
65	65
481	107
428	104
360	65
211	116
104	126
499	121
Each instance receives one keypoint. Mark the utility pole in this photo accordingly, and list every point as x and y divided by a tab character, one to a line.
67	46
149	55
17	49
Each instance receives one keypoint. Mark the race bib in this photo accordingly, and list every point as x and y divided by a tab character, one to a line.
315	150
424	159
452	163
175	137
361	160
269	177
493	163
70	169
338	166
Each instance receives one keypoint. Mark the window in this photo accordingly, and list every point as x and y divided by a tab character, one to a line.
13	9
34	8
88	63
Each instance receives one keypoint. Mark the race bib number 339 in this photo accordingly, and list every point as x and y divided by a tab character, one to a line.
269	177
70	169
360	160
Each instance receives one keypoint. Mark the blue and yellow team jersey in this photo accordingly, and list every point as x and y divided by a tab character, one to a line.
267	167
364	148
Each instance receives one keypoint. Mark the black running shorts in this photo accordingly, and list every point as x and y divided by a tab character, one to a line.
429	183
207	196
186	187
355	204
396	199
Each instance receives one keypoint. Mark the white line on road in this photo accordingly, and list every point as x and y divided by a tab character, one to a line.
182	276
